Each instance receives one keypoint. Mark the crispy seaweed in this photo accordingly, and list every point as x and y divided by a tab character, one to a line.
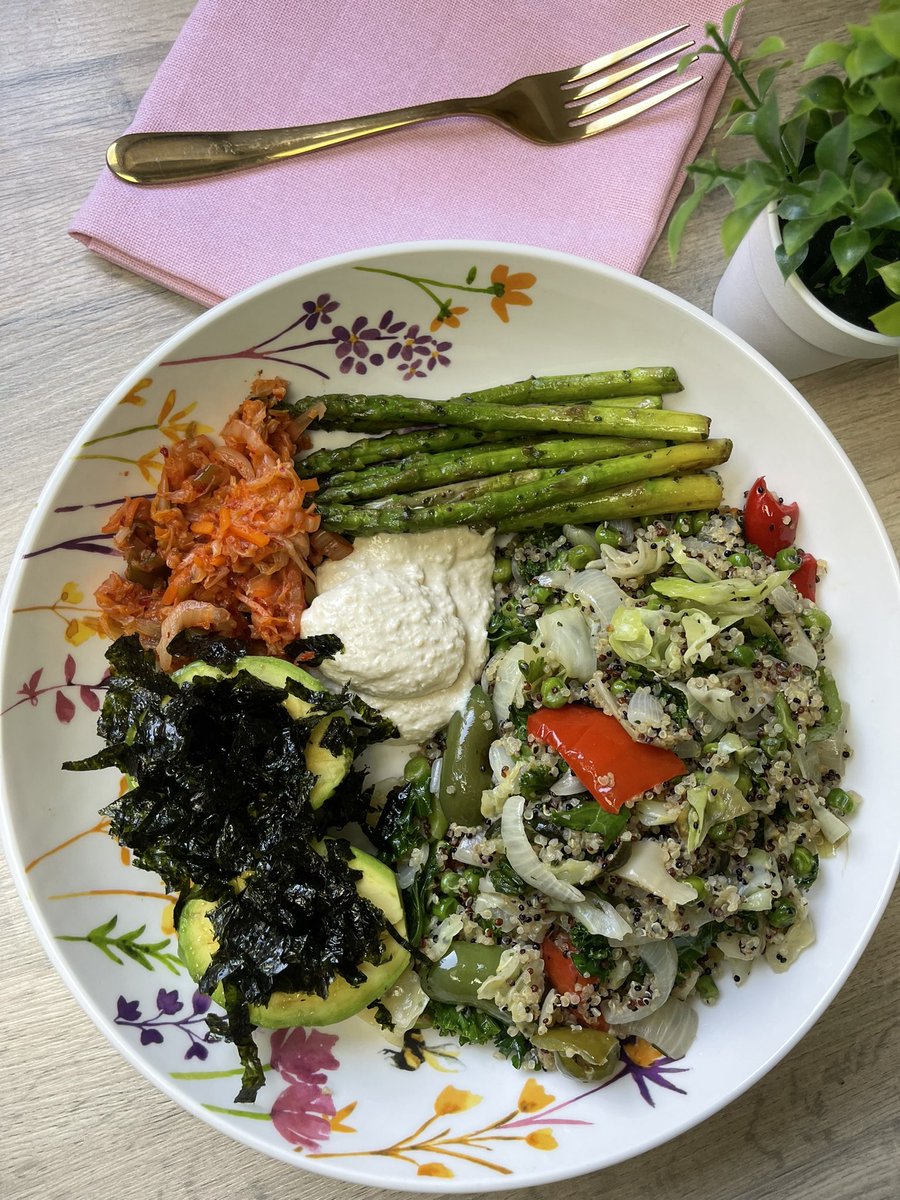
220	802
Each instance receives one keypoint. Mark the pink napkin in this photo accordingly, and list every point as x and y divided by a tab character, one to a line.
258	63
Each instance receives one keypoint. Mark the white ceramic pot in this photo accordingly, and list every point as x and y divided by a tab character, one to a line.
780	317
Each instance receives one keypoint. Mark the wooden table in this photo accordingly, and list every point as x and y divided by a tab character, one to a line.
75	1120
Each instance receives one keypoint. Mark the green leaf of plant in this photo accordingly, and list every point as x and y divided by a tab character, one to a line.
789	263
769	45
682	215
848	247
861	103
830	191
833	150
867	57
470	278
738	222
878	149
754	187
742	124
793	136
767	77
864	180
888	320
890	273
728	20
796	234
767	128
794	207
886	28
880	208
825	52
887	92
827	91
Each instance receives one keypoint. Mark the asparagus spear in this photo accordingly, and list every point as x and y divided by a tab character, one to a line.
488	509
596	419
648	497
429	470
568	389
395	445
465	489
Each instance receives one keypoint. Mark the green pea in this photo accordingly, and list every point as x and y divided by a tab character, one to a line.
721	831
783	913
804	865
554	693
605	535
450	881
682	524
502	570
417	770
471	878
579	557
707	989
739	559
539	594
744	655
698	884
749	922
698	520
443	908
787	559
840	801
618	687
815	617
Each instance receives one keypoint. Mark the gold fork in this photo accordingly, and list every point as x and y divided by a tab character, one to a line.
550	109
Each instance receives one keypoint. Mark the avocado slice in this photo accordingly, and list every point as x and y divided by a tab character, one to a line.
328	766
197	944
274	671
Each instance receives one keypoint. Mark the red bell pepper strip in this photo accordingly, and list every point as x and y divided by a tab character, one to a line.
559	968
612	766
768	522
804	578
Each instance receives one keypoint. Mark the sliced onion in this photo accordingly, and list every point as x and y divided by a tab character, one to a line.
468	850
645	709
508	680
568	785
435	781
579	536
601	692
786	599
799	649
592	586
525	861
833	828
671	1029
599	917
626	527
662	959
565	635
500	760
655	811
645	868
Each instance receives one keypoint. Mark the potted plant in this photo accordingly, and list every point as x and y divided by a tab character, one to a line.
813	233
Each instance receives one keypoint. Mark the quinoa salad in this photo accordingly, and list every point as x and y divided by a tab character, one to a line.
555	928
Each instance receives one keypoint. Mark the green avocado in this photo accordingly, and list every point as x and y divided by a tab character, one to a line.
328	767
197	944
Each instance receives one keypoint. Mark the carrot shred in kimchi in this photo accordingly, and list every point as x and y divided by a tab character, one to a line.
229	542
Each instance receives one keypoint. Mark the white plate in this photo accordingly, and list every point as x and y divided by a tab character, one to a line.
335	1102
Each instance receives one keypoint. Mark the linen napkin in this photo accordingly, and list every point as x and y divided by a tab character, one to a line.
246	64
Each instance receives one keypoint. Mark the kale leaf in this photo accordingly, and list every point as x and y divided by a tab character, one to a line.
593	954
473	1026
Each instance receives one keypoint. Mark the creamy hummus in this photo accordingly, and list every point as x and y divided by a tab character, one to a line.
412	612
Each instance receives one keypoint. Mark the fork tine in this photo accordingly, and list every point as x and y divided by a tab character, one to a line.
600	85
617	56
596	106
633	110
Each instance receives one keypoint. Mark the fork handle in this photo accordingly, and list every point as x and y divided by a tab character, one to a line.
175	157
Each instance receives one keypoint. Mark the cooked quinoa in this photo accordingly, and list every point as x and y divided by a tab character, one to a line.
697	644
